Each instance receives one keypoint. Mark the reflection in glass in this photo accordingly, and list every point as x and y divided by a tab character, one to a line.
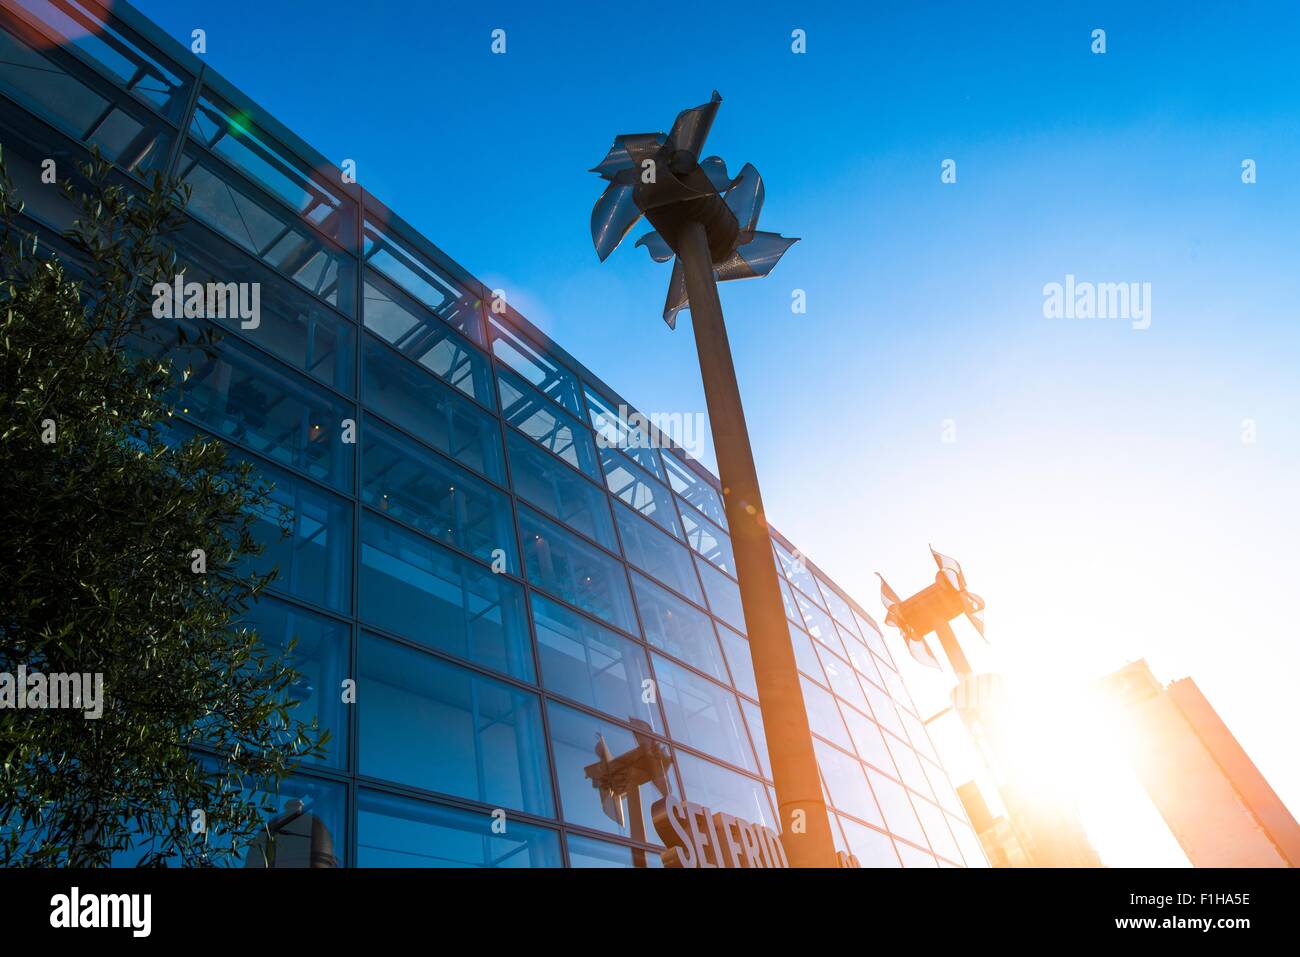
420	336
593	665
693	489
422	591
637	489
723	595
433	725
609	776
657	554
529	359
400	832
702	714
589	852
543	480
307	829
407	395
678	628
406	481
322	659
548	426
722	789
581	574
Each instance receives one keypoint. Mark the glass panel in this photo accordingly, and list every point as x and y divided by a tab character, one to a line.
292	325
589	852
315	560
400	832
758	734
531	361
913	857
805	655
423	338
677	628
581	574
836	605
845	782
322	657
909	766
703	715
823	716
969	844
883	710
868	740
943	789
579	741
899	816
408	482
408	396
47	84
27	145
936	829
859	657
427	723
694	489
451	301
872	848
116	54
817	622
842	679
308	827
623	429
871	634
657	553
722	789
546	425
723	595
712	543
897	690
545	481
740	661
239	394
272	234
917	733
787	599
796	570
593	665
419	590
636	488
234	135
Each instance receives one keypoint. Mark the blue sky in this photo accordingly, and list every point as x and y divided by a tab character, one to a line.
1098	491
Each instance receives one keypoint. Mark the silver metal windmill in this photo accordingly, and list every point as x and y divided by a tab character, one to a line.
660	176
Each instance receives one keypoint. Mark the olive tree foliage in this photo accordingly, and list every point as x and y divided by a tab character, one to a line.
128	553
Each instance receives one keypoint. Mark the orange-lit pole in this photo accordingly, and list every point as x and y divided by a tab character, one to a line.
804	820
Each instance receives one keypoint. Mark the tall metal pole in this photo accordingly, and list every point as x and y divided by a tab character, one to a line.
805	822
956	657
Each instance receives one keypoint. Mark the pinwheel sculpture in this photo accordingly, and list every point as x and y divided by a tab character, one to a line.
708	221
930	610
660	176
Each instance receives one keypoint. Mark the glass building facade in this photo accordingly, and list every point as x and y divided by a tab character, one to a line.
512	576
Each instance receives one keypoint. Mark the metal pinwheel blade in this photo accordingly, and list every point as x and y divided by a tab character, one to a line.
661	176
